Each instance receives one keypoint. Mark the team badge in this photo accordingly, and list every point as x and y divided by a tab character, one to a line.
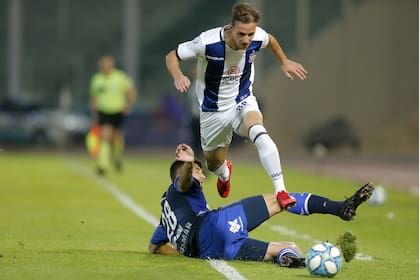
235	225
252	56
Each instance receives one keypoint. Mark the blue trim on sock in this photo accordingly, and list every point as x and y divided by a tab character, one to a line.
287	252
301	206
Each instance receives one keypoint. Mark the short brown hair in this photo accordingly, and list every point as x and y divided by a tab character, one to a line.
245	13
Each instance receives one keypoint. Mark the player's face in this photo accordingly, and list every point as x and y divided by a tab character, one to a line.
106	64
198	173
243	33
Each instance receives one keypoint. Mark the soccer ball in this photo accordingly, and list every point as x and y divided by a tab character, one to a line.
378	196
324	259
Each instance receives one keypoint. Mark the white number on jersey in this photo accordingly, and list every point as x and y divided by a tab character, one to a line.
169	219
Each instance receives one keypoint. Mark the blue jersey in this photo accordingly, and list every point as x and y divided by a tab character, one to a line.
182	213
224	76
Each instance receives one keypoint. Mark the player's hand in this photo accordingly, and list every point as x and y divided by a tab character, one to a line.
184	153
182	83
290	66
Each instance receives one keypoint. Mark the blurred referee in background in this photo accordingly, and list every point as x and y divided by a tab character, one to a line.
112	95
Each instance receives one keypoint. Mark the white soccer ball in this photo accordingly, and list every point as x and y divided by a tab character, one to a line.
324	259
378	196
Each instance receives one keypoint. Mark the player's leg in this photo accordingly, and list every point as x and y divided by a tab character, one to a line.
228	228
307	203
250	124
218	165
216	135
117	140
104	156
215	160
118	148
286	254
267	150
257	209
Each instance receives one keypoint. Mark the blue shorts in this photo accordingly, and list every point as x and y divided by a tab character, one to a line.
224	232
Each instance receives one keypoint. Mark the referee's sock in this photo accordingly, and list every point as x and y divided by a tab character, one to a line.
104	156
117	152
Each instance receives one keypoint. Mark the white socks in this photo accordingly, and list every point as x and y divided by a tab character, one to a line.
269	155
222	172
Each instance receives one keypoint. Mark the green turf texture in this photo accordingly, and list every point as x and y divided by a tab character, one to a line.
56	223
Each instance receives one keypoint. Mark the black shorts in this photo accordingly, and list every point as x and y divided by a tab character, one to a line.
115	120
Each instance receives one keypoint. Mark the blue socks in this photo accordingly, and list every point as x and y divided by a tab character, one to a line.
301	206
307	204
287	252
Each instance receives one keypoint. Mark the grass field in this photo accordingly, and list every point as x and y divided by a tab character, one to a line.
59	221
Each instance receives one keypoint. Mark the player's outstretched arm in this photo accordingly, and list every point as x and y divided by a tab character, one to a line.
131	99
181	82
288	66
186	154
164	249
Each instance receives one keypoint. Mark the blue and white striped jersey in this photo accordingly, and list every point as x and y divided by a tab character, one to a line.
225	76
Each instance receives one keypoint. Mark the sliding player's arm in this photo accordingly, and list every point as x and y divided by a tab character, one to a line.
185	178
164	249
159	243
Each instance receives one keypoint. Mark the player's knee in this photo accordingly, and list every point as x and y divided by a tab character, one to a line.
255	131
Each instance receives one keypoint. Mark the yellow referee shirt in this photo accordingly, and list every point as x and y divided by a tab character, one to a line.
110	91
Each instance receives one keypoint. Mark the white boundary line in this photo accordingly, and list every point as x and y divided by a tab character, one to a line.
225	269
219	265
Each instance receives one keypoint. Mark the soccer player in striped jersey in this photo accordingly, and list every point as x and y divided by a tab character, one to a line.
225	75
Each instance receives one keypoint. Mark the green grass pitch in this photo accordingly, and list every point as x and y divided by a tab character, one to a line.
57	222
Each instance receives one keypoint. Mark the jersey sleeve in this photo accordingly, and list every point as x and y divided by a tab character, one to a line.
262	35
159	236
190	49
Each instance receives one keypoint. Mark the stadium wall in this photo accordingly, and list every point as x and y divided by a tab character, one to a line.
365	68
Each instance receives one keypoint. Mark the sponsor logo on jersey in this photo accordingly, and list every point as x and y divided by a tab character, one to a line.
233	74
233	70
216	58
236	225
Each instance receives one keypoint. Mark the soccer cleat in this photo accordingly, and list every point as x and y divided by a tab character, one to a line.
118	165
292	262
100	171
285	200
348	210
224	187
